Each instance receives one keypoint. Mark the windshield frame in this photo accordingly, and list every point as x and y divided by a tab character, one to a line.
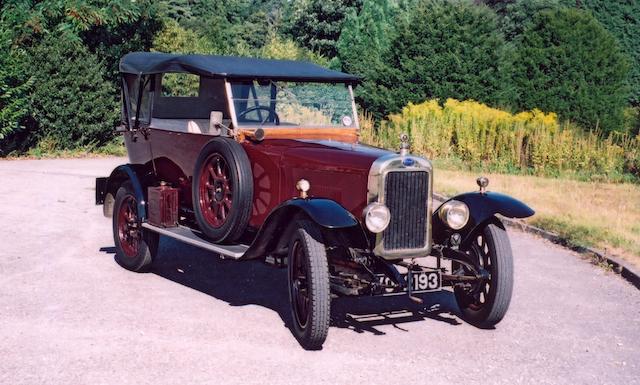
234	118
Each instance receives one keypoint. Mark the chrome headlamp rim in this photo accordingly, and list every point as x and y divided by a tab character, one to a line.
379	209
451	208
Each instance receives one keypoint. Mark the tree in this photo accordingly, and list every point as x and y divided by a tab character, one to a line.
316	24
31	20
622	20
365	37
15	86
177	10
566	62
175	39
516	15
442	49
72	103
287	49
236	27
109	28
364	43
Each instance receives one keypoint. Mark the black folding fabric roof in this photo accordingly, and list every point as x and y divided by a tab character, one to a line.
144	63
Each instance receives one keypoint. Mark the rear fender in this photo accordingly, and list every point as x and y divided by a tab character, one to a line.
483	208
338	226
106	189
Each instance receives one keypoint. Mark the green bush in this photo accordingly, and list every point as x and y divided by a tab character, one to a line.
566	62
442	49
516	15
622	19
72	104
364	43
15	86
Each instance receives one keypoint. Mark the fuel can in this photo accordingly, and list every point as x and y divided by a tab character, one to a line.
163	206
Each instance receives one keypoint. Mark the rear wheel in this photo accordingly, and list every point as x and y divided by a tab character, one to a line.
222	190
135	246
485	303
309	291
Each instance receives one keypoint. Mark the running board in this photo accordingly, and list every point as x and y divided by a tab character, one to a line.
192	237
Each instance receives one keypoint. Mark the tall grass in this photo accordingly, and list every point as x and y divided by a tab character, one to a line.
531	142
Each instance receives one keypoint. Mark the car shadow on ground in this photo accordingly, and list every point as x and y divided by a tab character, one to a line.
241	283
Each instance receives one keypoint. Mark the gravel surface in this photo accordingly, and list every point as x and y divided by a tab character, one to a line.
69	314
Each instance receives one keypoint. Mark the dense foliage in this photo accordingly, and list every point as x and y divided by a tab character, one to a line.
566	62
14	90
317	24
71	101
363	50
622	19
443	50
580	60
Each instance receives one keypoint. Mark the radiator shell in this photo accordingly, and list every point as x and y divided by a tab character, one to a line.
404	183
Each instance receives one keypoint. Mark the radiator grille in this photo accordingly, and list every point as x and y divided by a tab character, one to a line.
406	196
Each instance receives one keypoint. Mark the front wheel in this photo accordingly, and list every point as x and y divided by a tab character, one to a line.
309	291
485	303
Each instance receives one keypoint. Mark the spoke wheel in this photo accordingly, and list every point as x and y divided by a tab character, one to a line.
485	302
309	286
299	285
128	230
216	191
135	246
222	190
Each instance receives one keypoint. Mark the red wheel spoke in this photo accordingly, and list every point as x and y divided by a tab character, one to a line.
129	234
215	191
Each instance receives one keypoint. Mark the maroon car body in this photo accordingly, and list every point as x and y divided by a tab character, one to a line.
260	159
336	170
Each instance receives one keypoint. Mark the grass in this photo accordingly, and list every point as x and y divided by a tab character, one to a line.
47	149
600	215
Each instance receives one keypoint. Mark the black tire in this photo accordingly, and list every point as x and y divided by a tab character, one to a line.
135	247
222	204
485	304
309	291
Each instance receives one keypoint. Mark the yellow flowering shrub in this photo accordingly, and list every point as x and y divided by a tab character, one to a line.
480	135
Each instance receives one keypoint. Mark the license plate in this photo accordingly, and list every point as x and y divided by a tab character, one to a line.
422	281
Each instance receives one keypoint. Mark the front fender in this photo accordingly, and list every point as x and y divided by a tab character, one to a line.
324	212
483	207
338	225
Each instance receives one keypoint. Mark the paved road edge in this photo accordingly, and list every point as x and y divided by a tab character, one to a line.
618	265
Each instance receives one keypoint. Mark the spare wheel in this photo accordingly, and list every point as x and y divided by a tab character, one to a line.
222	190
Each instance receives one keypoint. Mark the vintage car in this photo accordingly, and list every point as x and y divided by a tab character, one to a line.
260	159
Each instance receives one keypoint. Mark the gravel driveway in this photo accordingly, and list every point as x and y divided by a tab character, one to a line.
69	314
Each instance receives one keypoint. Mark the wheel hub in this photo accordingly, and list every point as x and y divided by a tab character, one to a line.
218	190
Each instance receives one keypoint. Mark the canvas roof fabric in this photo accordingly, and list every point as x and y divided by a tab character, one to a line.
231	67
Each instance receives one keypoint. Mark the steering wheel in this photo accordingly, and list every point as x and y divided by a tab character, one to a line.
273	116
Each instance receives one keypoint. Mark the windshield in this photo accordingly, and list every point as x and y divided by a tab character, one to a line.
269	103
